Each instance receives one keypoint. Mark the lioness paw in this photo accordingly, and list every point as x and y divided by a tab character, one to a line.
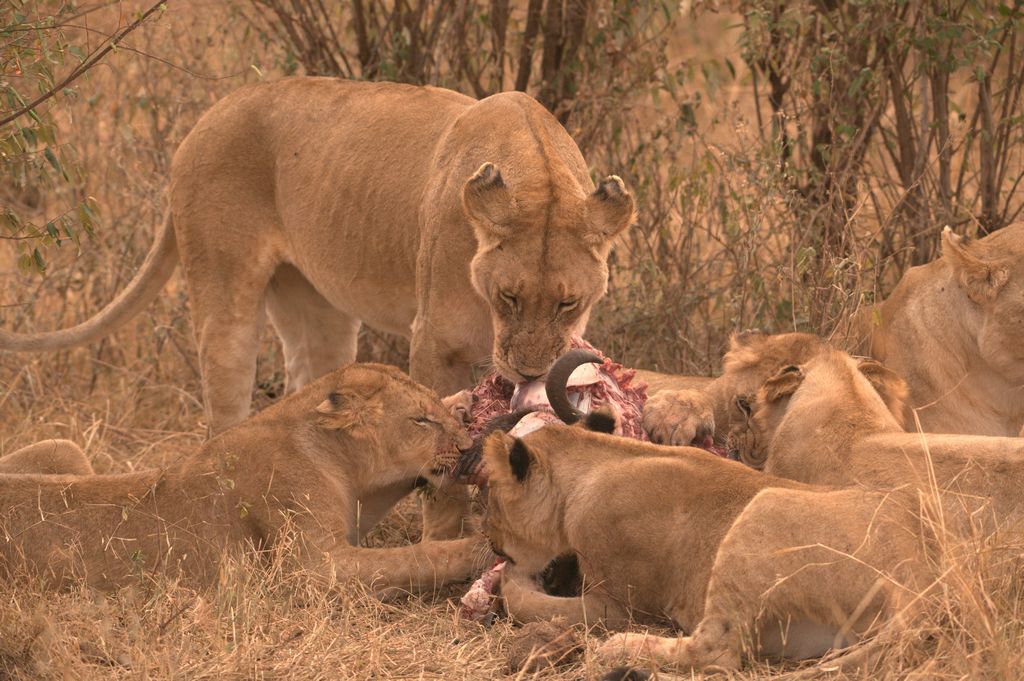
680	417
461	405
622	646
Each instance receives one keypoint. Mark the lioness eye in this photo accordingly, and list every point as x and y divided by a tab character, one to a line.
422	420
743	405
567	305
509	299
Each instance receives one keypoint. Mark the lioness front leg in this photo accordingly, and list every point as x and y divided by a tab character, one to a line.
525	602
446	511
715	644
419	567
432	364
680	417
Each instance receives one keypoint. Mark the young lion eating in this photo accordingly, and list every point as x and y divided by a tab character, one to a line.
328	461
724	552
835	420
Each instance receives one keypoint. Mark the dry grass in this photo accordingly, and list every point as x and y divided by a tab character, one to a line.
133	400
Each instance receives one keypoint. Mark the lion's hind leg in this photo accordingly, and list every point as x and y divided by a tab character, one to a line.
797	574
47	457
316	337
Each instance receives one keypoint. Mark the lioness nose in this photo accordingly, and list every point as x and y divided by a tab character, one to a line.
531	377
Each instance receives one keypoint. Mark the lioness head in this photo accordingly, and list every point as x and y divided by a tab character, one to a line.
801	407
541	263
388	417
991	272
752	358
522	521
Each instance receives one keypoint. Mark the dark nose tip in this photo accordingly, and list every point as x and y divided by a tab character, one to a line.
532	377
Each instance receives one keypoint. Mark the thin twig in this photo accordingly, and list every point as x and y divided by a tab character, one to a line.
89	62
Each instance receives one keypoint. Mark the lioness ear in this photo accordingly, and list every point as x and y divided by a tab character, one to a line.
782	384
608	211
347	411
745	338
889	385
980	279
519	460
506	457
601	421
488	203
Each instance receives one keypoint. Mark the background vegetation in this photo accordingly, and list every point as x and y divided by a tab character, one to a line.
790	159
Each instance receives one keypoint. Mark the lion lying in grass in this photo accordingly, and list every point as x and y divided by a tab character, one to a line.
682	416
328	461
834	420
731	555
951	328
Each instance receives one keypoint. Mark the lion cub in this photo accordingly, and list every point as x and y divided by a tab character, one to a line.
836	420
732	555
328	461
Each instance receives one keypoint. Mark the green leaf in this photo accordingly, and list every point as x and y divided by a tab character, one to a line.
88	217
52	158
29	135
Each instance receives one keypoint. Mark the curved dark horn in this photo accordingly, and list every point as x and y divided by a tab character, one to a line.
558	380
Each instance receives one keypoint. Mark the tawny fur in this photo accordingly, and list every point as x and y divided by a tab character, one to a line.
326	462
951	328
837	421
47	457
675	415
465	225
721	551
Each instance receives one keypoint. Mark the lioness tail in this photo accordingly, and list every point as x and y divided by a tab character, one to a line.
143	288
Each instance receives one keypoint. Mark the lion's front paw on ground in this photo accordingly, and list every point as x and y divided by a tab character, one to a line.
680	417
623	647
461	405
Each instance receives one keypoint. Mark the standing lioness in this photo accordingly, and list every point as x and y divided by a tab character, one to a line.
328	462
420	211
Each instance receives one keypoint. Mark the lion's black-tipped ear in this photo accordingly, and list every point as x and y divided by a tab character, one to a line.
349	411
600	421
519	459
